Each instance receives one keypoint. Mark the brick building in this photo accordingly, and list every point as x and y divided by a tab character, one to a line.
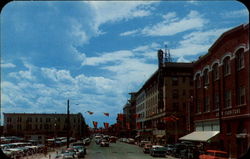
167	92
221	91
50	125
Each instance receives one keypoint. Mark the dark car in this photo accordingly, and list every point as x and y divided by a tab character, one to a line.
178	148
169	149
158	150
104	143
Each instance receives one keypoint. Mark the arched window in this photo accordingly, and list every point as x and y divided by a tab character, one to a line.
226	66
198	81
215	72
240	58
206	77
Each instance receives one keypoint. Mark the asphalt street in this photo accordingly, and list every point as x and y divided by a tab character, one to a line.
118	150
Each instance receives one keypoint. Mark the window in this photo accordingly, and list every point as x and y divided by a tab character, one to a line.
175	94
216	101
183	79
241	96
47	120
41	119
240	58
206	77
19	119
198	106
176	106
215	72
9	119
184	92
29	119
174	81
229	129
226	66
206	106
227	99
198	81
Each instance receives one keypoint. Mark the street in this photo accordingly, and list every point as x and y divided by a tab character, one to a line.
118	150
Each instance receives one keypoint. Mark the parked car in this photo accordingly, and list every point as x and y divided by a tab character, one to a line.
104	143
112	139
178	147
86	141
169	149
80	149
131	141
143	142
147	147
214	154
158	150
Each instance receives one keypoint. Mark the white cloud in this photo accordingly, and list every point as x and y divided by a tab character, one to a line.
8	65
113	11
108	57
235	13
173	26
129	33
197	42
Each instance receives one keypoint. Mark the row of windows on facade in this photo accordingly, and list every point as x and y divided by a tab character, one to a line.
29	119
226	68
240	100
36	127
175	81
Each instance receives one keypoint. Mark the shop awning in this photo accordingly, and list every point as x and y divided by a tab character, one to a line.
202	136
159	136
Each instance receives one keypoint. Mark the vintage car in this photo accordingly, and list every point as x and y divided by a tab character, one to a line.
143	142
104	143
158	150
112	139
147	147
214	154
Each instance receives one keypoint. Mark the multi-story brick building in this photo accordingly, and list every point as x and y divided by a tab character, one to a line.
173	84
50	125
222	91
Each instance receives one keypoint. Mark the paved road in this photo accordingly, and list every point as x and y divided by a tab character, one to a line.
118	150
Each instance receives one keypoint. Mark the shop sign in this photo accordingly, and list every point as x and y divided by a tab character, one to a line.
230	112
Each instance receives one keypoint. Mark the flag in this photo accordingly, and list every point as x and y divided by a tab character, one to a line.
168	119
95	123
90	113
174	117
107	114
106	125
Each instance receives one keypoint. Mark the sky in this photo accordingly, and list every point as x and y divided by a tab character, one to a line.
95	53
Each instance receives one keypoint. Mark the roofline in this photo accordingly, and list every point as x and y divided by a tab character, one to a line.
242	26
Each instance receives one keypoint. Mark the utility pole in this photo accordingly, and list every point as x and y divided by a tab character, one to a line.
68	123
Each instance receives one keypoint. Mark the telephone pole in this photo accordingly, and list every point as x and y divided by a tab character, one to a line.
68	123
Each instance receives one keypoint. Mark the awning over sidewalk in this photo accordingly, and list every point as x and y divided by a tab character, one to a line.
202	136
159	136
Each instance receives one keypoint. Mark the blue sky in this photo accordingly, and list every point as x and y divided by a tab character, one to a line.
96	52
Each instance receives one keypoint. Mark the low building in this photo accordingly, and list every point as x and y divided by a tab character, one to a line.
51	125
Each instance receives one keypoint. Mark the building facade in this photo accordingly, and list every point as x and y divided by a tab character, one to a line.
221	92
51	125
166	93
